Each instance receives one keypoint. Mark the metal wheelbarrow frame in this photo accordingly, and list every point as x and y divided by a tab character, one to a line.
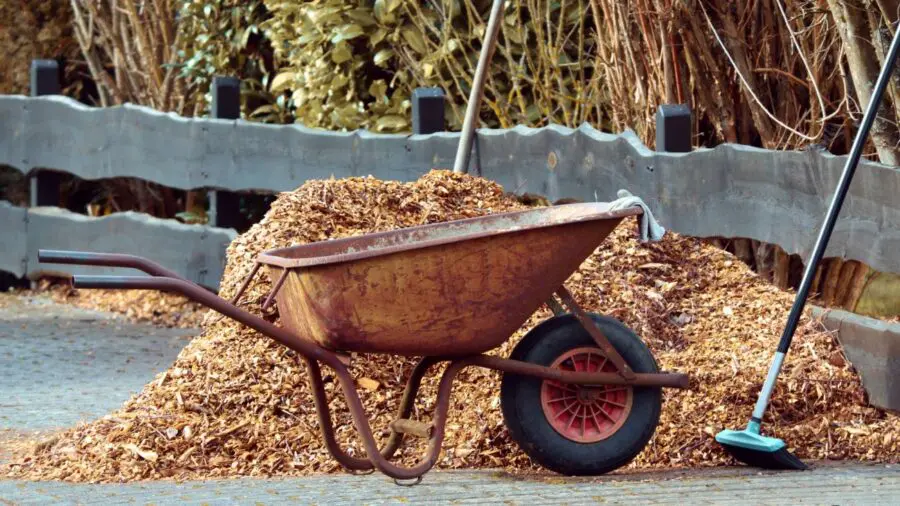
394	248
342	295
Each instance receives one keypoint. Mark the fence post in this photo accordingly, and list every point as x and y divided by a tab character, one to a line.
44	184
427	110
224	206
673	128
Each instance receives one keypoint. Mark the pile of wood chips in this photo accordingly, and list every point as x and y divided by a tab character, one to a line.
236	403
149	306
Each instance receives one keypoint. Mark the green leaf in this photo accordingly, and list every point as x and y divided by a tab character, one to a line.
382	13
362	16
245	37
282	81
378	90
341	53
347	32
382	57
377	37
338	81
391	123
392	5
415	40
308	37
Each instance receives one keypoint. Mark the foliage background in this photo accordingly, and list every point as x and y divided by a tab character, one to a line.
780	74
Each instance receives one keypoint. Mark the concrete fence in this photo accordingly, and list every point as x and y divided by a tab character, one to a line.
778	197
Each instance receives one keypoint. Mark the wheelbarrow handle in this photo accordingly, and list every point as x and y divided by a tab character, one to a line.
105	260
109	282
203	296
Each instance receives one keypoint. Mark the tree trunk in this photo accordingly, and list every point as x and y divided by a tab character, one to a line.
814	290
881	39
734	42
890	9
851	19
665	25
845	280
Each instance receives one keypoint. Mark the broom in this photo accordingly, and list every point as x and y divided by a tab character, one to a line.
748	445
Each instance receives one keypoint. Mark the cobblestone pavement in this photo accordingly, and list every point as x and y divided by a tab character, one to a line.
863	485
62	365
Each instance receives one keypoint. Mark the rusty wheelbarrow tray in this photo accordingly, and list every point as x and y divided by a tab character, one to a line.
449	292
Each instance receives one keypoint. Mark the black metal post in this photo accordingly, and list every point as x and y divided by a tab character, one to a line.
44	184
224	206
673	128
427	110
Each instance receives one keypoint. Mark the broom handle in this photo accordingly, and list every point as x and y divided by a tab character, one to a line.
464	148
825	232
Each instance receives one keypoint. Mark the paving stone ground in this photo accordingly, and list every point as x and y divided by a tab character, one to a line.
863	485
61	365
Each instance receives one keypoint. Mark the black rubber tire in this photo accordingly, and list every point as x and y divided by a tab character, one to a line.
520	400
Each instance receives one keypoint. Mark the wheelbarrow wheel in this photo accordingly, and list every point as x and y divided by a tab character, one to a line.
575	430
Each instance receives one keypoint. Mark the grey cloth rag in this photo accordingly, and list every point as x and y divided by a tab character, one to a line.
651	230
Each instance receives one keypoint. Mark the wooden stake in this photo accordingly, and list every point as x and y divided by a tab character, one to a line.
831	281
764	259
857	286
843	285
814	289
742	250
782	268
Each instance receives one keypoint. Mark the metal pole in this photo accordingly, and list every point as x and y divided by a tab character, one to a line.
487	52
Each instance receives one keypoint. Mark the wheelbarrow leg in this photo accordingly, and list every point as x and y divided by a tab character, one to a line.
437	435
327	427
406	404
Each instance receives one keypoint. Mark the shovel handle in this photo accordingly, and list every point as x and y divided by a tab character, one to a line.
464	149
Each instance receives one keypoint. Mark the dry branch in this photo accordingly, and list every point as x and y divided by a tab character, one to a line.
127	47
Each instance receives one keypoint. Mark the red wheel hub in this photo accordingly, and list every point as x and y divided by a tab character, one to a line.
585	414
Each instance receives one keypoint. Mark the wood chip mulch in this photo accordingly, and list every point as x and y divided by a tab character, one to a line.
146	306
236	403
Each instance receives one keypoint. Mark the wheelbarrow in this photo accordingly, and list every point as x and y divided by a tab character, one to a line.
580	393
